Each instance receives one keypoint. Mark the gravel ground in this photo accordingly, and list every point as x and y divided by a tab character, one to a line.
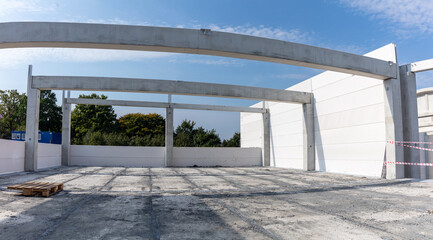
215	203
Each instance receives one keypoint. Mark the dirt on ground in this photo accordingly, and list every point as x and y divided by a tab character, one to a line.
215	203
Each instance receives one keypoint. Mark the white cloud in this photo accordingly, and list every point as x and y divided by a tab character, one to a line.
15	57
408	14
293	35
22	6
206	60
294	76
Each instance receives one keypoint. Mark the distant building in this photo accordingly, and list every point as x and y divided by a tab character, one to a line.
44	137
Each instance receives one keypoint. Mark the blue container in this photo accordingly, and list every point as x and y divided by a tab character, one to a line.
44	137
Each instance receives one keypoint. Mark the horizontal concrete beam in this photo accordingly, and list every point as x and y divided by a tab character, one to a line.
425	114
168	87
90	101
424	91
421	66
180	40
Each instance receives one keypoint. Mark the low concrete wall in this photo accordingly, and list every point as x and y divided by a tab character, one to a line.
154	156
49	155
11	156
117	156
211	157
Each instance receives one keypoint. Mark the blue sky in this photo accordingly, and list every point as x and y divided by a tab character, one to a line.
356	26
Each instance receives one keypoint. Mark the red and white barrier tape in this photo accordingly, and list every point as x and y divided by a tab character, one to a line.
409	146
407	163
394	142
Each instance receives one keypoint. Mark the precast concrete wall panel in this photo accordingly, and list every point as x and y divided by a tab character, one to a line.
11	156
251	130
211	157
154	156
117	156
285	131
349	122
49	155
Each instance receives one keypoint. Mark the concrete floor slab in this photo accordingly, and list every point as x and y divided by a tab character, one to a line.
215	203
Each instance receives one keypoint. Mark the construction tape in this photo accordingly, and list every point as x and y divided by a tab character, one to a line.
408	163
401	143
394	142
409	146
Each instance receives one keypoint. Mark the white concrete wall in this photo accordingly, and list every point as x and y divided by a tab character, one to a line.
154	156
49	155
11	156
425	106
426	156
117	156
349	123
211	157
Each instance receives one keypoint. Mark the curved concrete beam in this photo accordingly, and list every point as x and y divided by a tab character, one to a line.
179	40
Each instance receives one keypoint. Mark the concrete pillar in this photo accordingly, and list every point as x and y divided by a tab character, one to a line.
309	161
32	126
169	131
423	157
66	131
393	128
409	107
266	141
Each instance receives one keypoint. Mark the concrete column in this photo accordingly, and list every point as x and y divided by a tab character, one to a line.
32	126
423	156
409	106
169	131
66	131
266	141
308	136
393	128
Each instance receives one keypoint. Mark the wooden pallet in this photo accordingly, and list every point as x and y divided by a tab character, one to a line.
38	188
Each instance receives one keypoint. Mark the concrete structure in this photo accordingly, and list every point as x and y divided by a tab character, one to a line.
354	116
112	156
168	87
425	118
180	40
12	155
171	87
380	65
215	203
169	128
425	109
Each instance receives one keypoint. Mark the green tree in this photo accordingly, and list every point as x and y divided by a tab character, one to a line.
138	124
235	141
85	118
206	138
12	112
187	135
149	140
50	115
184	134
